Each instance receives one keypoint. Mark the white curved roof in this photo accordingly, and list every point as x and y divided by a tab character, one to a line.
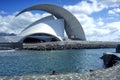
44	19
47	25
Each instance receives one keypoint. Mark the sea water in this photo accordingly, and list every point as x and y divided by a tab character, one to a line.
23	62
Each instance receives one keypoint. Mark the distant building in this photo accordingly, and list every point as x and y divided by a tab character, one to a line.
52	28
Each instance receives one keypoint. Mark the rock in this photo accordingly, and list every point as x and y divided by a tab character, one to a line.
118	48
110	59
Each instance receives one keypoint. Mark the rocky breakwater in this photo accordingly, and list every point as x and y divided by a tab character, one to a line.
111	59
10	45
61	45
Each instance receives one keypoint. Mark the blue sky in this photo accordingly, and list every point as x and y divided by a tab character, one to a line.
100	19
11	6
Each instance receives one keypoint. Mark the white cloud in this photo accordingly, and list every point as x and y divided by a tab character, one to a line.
111	12
109	3
4	22
114	25
85	7
100	22
115	11
108	32
94	29
12	24
93	6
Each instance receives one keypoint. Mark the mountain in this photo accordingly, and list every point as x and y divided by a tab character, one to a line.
7	34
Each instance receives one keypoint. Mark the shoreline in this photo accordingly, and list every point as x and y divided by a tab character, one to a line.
112	73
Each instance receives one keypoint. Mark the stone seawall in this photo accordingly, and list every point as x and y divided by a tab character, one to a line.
70	45
59	45
6	46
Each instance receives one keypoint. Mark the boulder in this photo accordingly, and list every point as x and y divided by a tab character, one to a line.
118	48
110	59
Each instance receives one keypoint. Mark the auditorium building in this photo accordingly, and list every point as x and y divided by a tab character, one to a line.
55	27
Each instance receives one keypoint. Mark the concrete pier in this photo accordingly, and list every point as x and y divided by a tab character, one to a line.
10	45
59	45
70	45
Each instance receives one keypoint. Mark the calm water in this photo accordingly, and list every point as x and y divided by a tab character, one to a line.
15	63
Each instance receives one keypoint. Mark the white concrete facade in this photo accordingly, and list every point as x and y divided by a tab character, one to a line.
54	27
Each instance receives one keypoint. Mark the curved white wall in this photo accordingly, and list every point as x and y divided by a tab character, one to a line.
52	27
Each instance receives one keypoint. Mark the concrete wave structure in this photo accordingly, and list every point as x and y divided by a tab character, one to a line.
52	28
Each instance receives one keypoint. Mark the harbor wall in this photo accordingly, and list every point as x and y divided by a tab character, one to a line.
8	45
60	45
70	45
